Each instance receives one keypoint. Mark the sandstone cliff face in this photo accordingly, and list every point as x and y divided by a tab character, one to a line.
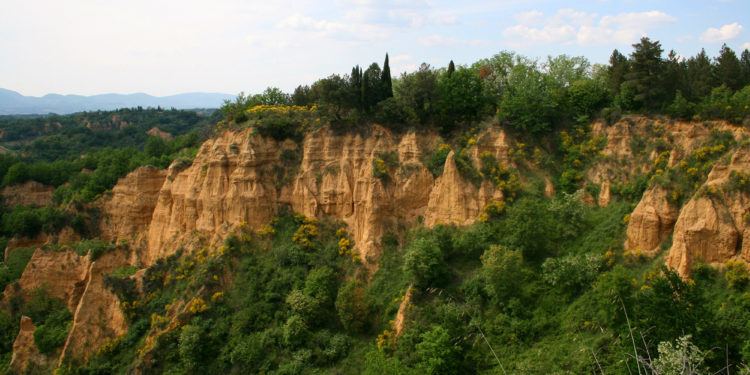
79	282
651	222
635	142
235	179
711	227
128	210
98	316
29	193
26	356
60	273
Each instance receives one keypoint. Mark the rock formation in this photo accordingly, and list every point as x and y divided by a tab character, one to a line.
29	193
26	356
651	222
711	227
240	177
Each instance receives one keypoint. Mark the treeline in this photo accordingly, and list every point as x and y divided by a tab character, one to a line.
528	95
682	87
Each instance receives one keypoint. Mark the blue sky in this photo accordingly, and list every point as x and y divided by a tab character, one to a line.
166	47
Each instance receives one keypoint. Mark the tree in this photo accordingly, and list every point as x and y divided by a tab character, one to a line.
352	309
618	67
419	92
355	88
424	262
728	70
386	83
436	352
565	70
699	77
646	73
451	68
745	66
333	93
461	98
502	270
301	95
528	103
372	86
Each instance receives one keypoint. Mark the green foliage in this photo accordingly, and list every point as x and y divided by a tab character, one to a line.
14	264
528	103
352	307
502	270
30	221
94	248
680	357
51	318
436	352
383	163
424	262
435	161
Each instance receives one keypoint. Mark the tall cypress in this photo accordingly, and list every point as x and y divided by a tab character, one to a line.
385	79
355	87
451	68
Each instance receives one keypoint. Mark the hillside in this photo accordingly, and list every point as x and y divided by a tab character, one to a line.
534	219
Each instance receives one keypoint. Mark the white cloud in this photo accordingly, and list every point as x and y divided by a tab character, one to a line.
746	45
723	33
437	40
569	26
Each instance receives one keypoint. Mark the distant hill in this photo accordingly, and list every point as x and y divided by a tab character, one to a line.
13	103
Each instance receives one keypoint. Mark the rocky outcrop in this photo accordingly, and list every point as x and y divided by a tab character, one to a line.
240	177
98	317
156	132
127	211
26	357
60	273
452	200
711	227
650	223
634	143
29	193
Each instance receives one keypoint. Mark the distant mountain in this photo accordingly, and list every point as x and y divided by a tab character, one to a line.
13	103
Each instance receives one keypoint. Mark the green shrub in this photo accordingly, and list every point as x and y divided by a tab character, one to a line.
435	161
424	262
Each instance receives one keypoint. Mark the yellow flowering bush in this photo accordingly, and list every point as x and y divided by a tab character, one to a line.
306	233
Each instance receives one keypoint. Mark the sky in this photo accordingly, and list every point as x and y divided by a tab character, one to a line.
165	47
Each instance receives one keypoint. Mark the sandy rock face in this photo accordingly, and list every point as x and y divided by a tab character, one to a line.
711	227
128	211
98	316
29	193
452	200
25	353
60	273
240	177
651	222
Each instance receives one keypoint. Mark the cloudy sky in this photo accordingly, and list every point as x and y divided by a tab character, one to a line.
165	47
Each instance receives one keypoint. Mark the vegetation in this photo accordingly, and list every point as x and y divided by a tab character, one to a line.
538	285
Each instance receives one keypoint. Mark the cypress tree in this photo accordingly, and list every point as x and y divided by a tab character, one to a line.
355	87
451	68
385	79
